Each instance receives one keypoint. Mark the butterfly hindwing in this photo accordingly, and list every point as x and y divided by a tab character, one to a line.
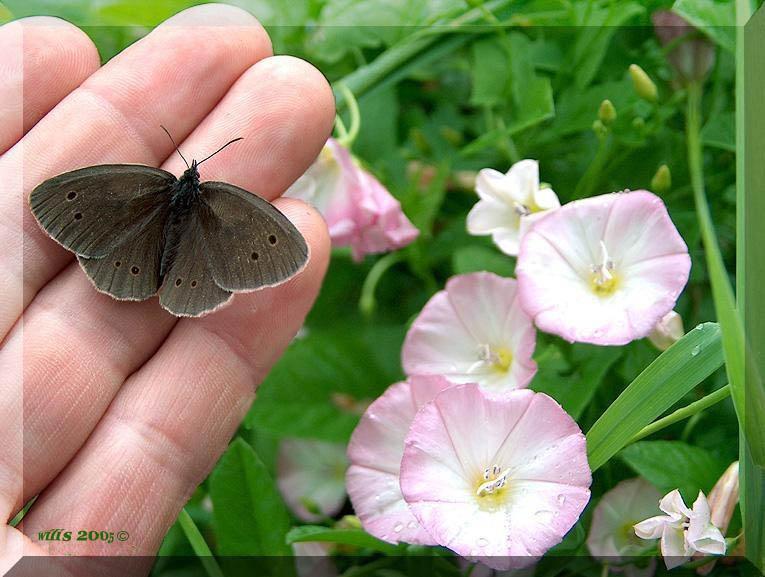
130	271
250	244
188	288
93	210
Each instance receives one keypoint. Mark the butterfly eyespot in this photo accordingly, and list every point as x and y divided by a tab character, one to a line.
117	264
77	215
272	239
193	284
178	282
254	256
71	196
135	270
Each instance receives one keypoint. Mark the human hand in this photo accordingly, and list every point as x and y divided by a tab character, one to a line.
113	412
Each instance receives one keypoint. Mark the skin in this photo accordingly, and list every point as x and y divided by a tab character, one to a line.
113	412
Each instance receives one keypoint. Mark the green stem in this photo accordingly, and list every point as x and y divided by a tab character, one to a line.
367	301
683	413
592	176
199	545
350	135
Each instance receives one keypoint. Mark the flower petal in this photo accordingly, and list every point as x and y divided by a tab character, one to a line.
488	216
673	548
375	451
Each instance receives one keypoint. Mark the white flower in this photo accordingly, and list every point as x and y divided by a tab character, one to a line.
506	201
682	531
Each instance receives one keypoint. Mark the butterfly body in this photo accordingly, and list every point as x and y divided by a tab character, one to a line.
138	231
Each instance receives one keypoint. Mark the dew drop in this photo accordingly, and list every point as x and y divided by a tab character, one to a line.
695	351
398	527
482	542
411	525
561	499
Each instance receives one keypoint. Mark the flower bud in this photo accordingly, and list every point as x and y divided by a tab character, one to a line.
599	128
607	112
644	86
662	180
667	331
691	54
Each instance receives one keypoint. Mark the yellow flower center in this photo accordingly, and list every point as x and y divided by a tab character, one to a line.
491	487
604	280
499	358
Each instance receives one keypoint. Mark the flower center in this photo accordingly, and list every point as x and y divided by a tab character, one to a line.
521	209
490	490
498	358
603	278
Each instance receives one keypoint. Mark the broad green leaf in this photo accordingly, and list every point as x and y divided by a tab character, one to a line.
574	380
532	94
476	258
664	382
355	537
489	70
717	19
674	465
301	397
720	132
249	514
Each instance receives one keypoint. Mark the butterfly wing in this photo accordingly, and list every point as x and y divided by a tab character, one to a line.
250	244
130	271
188	288
91	211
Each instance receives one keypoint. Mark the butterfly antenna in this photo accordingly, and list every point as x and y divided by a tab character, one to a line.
178	150
221	148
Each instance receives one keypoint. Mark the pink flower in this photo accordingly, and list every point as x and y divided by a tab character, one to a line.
683	531
310	477
359	211
612	538
474	331
375	453
602	270
507	200
500	479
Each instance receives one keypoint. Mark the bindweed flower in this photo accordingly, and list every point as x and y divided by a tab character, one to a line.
682	531
722	501
612	538
359	211
473	331
311	477
498	479
667	331
603	270
506	200
375	452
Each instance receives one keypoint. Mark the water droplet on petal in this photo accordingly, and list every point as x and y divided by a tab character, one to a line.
561	499
398	527
482	542
411	525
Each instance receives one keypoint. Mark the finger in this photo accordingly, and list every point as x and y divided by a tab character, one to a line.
42	59
171	421
74	358
173	76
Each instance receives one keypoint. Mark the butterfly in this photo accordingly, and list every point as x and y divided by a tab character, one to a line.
139	231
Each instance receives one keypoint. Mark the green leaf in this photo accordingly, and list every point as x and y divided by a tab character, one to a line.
476	258
674	465
489	71
720	132
716	19
354	537
574	382
249	514
298	398
663	383
594	38
532	94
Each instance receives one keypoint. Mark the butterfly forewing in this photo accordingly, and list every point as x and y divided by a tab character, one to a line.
250	244
93	210
130	271
188	288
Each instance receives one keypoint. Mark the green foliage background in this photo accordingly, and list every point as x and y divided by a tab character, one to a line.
520	79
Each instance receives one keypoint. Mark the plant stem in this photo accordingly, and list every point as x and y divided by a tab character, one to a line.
367	301
683	413
591	177
199	545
